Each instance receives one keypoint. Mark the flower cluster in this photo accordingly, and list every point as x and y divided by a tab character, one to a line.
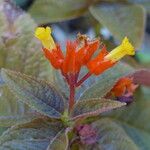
80	53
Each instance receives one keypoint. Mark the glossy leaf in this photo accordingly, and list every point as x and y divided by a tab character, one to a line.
39	95
35	135
106	81
94	107
122	20
52	11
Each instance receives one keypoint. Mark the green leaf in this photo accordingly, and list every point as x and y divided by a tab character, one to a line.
145	3
46	11
39	95
60	141
94	107
8	104
7	121
61	83
111	136
35	135
25	145
19	51
106	81
135	118
122	20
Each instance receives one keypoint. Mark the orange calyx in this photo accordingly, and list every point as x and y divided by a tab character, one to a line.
124	87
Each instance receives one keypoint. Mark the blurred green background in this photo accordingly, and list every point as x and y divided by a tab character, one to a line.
110	19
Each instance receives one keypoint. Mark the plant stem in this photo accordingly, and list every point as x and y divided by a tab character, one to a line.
83	79
72	97
72	82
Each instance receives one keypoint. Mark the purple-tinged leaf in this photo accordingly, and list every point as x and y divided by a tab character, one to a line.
110	136
8	121
34	135
142	77
25	145
39	95
94	107
135	118
20	51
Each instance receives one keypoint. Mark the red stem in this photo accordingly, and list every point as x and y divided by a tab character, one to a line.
72	97
83	79
72	81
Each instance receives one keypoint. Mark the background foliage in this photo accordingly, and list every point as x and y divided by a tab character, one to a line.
20	51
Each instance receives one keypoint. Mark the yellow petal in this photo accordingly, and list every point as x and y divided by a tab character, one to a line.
44	35
125	48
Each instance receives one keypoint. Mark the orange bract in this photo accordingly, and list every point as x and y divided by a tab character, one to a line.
124	87
98	64
55	57
76	56
80	52
69	64
85	53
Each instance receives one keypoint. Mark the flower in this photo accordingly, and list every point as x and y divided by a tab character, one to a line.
79	53
44	35
125	48
78	56
105	60
124	87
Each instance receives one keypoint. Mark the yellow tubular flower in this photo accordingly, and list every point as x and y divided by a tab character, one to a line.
44	35
125	48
